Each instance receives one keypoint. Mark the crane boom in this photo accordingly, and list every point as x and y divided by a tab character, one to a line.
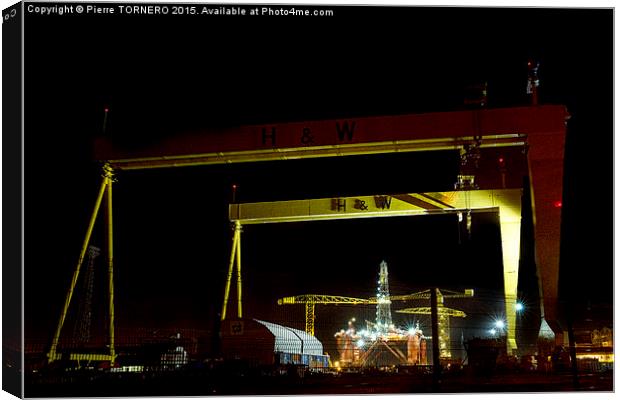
323	299
451	312
426	295
310	300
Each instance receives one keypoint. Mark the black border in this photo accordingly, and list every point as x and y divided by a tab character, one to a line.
12	292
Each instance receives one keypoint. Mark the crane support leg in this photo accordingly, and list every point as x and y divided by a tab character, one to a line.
106	184
310	318
233	255
445	344
510	227
238	232
111	270
546	170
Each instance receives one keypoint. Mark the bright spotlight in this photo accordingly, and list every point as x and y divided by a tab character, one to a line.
492	332
360	343
500	324
411	331
519	306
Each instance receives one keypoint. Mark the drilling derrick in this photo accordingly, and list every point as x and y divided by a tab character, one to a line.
384	314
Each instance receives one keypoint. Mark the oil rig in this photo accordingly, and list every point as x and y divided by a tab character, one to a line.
381	343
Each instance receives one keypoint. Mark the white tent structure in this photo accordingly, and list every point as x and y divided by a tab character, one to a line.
293	341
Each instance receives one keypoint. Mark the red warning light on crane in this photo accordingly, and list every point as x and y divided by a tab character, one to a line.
501	162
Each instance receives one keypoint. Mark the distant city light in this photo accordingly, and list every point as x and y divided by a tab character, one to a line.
411	331
492	331
519	306
500	324
360	343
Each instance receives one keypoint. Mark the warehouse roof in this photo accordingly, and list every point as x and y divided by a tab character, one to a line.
294	341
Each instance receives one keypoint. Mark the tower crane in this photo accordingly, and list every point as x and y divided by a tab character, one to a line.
310	300
443	313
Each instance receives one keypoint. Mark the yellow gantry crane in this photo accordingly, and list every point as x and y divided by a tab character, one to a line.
443	313
310	300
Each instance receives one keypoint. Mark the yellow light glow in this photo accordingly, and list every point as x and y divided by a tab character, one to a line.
601	357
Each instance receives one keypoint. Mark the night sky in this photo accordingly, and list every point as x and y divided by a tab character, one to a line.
161	76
